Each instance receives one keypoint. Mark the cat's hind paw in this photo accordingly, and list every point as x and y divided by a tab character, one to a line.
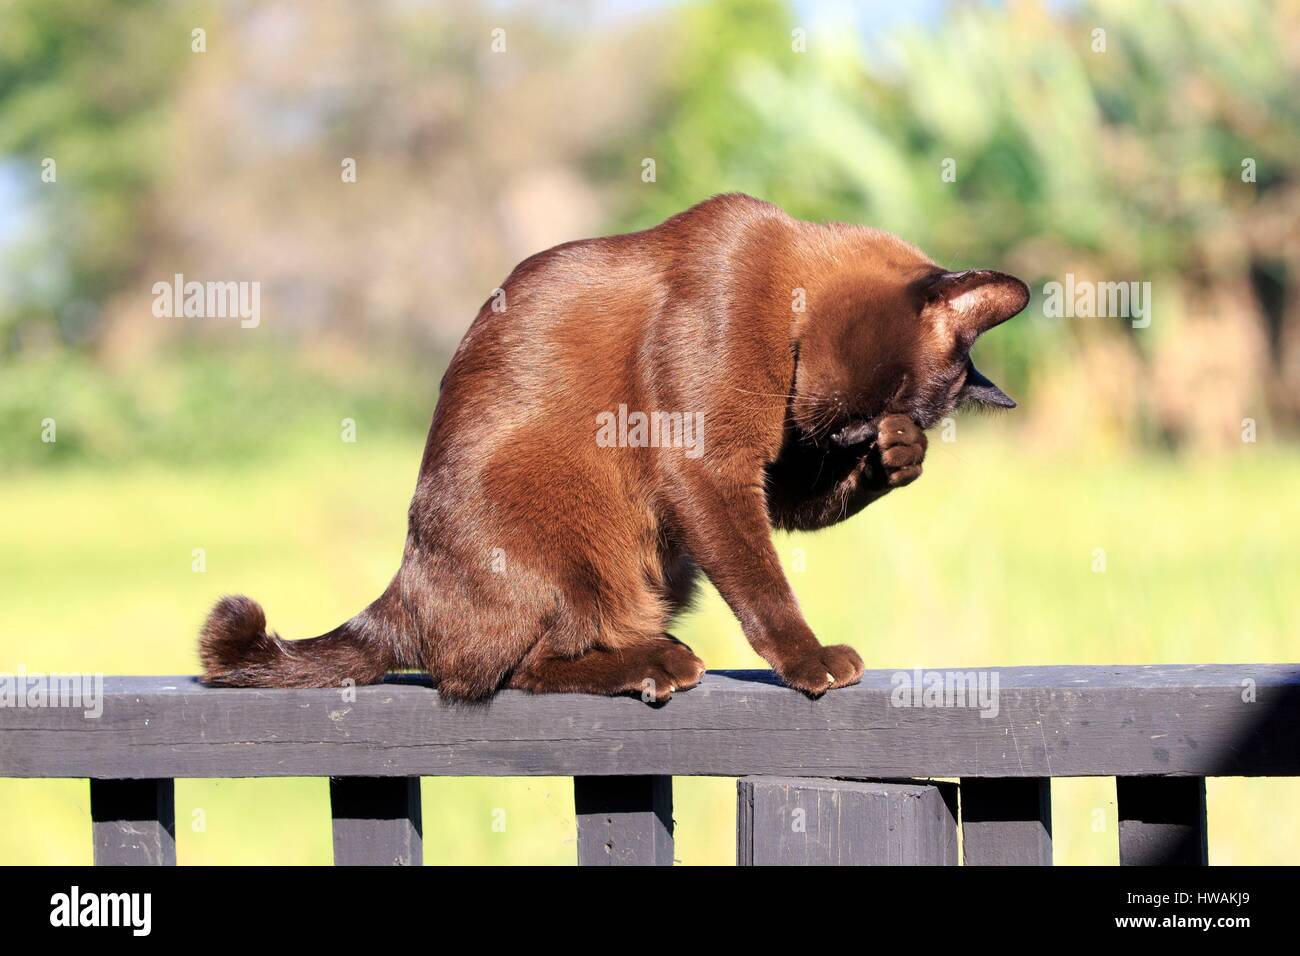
668	669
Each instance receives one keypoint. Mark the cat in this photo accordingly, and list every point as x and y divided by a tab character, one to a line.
548	548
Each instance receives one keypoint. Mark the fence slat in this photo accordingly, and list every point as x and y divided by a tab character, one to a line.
134	822
1006	821
1162	821
377	821
624	821
783	821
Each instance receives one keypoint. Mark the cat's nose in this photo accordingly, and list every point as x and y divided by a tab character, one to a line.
854	433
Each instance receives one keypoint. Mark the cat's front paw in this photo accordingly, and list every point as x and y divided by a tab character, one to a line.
901	445
821	669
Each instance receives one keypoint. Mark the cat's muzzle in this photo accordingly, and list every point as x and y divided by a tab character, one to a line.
859	432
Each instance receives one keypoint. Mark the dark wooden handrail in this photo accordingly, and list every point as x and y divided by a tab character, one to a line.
1152	725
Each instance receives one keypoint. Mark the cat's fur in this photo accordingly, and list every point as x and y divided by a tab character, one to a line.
538	559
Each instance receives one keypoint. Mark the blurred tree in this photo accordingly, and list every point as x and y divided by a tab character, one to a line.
1107	139
1116	141
88	86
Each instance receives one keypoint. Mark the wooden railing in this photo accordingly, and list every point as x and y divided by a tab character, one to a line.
867	774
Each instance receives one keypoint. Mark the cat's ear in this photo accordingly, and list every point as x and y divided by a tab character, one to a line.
967	304
980	390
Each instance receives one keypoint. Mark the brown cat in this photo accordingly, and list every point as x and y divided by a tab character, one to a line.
631	411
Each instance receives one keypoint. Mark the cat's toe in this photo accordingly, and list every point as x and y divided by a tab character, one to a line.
898	477
656	687
844	664
681	664
898	430
824	669
900	456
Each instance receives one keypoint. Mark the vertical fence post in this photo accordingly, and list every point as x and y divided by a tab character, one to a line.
1162	821
1006	821
134	822
377	821
624	821
784	821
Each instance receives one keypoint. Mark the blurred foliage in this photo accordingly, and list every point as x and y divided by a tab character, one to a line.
200	407
91	86
1103	139
1116	156
1129	153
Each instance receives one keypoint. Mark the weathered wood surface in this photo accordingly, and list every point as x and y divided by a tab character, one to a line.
624	821
1050	721
134	822
377	821
1006	822
785	821
1162	821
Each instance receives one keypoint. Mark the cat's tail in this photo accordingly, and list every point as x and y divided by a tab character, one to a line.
237	651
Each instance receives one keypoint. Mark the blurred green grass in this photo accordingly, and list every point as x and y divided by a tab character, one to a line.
987	561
